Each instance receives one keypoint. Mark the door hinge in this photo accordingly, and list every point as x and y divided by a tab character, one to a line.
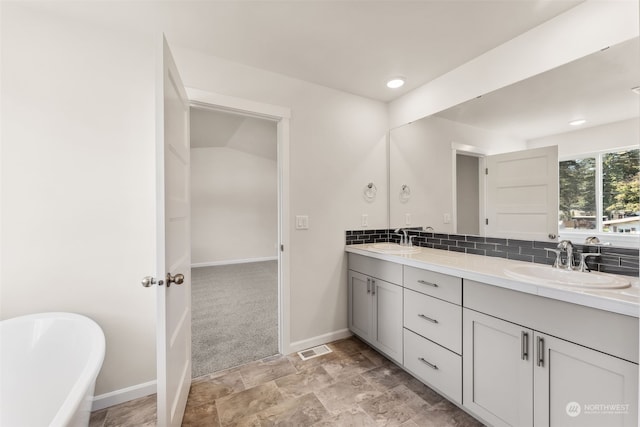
281	248
486	171
486	221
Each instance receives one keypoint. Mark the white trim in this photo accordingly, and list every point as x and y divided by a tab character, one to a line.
319	340
233	261
282	115
284	250
469	150
472	151
241	105
124	395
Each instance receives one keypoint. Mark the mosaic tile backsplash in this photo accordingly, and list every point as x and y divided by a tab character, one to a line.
612	259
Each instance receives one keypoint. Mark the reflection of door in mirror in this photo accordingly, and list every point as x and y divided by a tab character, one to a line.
467	194
522	194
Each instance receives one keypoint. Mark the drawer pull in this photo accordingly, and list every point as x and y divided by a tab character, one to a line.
427	318
540	342
525	345
431	365
424	282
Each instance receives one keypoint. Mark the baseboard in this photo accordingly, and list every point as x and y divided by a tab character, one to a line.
123	395
319	340
232	261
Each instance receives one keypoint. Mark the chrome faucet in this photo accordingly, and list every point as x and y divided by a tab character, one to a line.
402	236
583	260
405	239
567	247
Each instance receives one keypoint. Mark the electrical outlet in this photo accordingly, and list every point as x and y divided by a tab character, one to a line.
302	222
365	220
407	219
446	218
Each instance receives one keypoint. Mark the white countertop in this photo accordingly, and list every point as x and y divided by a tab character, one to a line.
490	270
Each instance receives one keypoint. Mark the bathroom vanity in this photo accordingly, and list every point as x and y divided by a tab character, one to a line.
510	351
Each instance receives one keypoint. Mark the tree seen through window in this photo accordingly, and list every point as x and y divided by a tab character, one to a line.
615	176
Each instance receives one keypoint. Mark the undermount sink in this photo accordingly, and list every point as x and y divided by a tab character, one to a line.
546	275
394	249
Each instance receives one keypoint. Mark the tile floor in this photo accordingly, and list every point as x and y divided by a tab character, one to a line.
353	386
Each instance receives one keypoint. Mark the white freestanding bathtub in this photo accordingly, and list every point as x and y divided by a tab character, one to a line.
48	368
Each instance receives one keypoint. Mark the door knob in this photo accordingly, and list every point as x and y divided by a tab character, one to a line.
178	279
150	280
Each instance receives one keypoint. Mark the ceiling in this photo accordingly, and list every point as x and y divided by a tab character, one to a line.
216	129
596	88
354	46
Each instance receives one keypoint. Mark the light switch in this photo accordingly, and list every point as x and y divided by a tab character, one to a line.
446	218
302	222
407	219
365	220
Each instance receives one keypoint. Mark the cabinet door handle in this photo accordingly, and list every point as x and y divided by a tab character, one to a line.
424	282
431	365
427	318
525	345
368	285
373	287
540	345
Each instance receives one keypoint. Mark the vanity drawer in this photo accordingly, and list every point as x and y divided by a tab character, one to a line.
433	365
384	270
443	286
438	320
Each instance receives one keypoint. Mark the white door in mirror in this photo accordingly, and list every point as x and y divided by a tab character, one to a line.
522	194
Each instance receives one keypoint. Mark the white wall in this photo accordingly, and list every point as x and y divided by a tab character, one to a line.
582	30
337	146
78	181
593	139
234	209
421	156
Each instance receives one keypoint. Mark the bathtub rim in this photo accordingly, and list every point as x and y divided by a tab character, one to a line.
87	377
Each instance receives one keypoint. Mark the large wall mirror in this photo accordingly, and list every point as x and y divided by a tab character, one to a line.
510	164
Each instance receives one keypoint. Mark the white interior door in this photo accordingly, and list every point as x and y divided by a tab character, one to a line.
522	194
173	243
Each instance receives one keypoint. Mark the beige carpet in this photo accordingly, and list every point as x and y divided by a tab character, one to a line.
234	315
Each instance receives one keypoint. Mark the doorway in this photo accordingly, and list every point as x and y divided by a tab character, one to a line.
467	194
234	239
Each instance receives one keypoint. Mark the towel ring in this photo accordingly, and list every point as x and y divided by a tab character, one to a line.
370	191
405	193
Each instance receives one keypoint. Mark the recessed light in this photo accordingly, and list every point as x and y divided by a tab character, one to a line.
395	83
577	122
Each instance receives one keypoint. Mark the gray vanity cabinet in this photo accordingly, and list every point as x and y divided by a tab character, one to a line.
375	304
575	386
360	305
498	370
433	330
510	358
517	376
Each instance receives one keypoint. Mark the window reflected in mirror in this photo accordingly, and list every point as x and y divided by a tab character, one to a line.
600	192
